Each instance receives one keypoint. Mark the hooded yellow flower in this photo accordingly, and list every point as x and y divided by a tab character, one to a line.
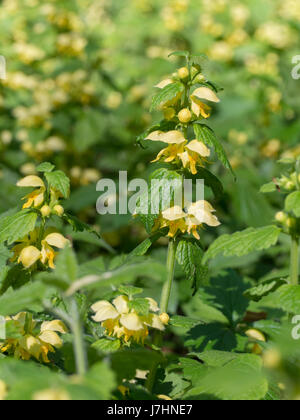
124	323
27	251
174	101
48	254
35	198
176	142
32	344
190	220
190	154
198	106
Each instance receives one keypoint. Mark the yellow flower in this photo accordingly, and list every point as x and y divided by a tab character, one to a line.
3	390
27	253
191	154
51	395
35	198
48	254
195	154
199	107
124	323
200	213
31	344
190	220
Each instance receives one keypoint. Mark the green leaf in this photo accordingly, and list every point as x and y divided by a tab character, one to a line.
4	255
243	243
17	226
185	54
66	267
183	322
140	305
189	256
59	181
292	203
130	290
159	197
206	135
45	167
142	249
237	378
211	181
263	289
28	297
287	297
107	346
167	94
268	188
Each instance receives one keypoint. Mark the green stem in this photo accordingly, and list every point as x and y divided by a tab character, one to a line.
78	341
294	277
165	297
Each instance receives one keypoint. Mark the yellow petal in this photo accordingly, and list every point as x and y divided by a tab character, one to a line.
170	137
57	240
3	390
131	322
51	337
31	345
121	304
174	213
153	305
164	83
199	148
184	158
203	213
29	256
155	322
104	310
55	325
206	93
31	181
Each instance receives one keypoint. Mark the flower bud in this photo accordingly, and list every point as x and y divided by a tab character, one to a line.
255	335
290	185
46	211
59	210
169	113
164	318
183	73
281	217
291	222
271	359
185	116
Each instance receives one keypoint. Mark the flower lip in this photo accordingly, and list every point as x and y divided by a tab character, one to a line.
198	147
170	137
164	83
57	240
31	181
205	93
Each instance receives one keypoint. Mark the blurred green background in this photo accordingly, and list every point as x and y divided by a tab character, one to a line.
80	77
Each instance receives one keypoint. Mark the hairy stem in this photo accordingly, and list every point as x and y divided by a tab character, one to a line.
294	276
165	297
78	342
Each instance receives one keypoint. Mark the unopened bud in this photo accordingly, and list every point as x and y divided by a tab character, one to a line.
59	210
164	317
46	211
183	73
185	116
281	217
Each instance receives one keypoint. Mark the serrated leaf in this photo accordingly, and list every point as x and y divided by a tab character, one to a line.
183	322
107	346
263	289
4	255
268	188
189	257
206	135
45	167
287	297
243	243
59	181
140	305
13	228
211	181
167	94
292	203
130	290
